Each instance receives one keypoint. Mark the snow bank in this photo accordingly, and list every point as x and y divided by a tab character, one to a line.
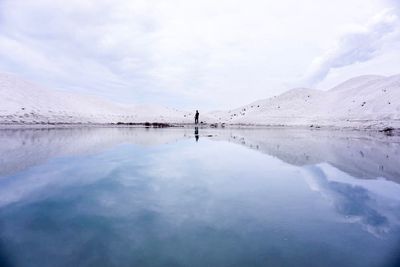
25	102
366	101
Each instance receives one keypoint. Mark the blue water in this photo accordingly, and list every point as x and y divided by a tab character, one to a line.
233	197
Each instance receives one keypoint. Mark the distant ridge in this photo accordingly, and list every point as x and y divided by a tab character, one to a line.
366	101
369	101
23	102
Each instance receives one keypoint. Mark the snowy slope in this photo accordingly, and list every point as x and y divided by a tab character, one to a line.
288	107
25	102
366	101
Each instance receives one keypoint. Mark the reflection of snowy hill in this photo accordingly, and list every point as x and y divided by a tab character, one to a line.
21	149
360	155
331	163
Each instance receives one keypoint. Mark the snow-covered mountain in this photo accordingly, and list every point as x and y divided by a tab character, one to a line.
365	101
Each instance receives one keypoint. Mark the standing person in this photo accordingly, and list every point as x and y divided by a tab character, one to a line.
196	117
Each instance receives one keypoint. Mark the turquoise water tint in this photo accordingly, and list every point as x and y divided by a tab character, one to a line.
234	197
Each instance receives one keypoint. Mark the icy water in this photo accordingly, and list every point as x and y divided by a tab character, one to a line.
181	197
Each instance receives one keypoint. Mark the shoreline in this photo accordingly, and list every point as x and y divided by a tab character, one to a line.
156	125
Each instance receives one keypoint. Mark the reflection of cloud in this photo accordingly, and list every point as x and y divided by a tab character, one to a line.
23	149
355	202
360	45
121	204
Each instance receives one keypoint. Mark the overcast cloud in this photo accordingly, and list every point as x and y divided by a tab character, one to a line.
196	54
360	44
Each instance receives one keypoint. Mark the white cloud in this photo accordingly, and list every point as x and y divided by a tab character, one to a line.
215	54
359	45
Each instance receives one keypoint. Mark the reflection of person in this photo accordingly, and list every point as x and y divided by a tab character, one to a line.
196	133
196	117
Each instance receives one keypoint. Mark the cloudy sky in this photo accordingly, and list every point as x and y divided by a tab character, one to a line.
207	54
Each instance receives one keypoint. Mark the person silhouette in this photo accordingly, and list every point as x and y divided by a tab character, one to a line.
196	133
196	117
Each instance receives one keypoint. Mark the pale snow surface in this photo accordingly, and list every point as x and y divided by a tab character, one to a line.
366	101
25	102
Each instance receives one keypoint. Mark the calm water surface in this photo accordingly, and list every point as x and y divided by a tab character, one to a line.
180	197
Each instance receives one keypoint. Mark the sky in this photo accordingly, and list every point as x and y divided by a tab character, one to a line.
208	54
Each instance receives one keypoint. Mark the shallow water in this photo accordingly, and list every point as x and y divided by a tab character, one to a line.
180	197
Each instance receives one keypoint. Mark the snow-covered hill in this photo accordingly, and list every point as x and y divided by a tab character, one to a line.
366	101
25	102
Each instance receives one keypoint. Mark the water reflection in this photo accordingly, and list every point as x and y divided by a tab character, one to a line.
361	155
135	197
356	202
196	133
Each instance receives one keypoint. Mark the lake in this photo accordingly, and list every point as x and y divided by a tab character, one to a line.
198	197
